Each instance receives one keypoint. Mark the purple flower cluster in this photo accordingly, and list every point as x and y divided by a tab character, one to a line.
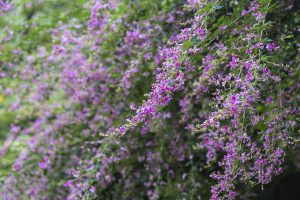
5	6
209	84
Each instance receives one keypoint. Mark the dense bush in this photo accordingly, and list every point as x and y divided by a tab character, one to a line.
148	99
